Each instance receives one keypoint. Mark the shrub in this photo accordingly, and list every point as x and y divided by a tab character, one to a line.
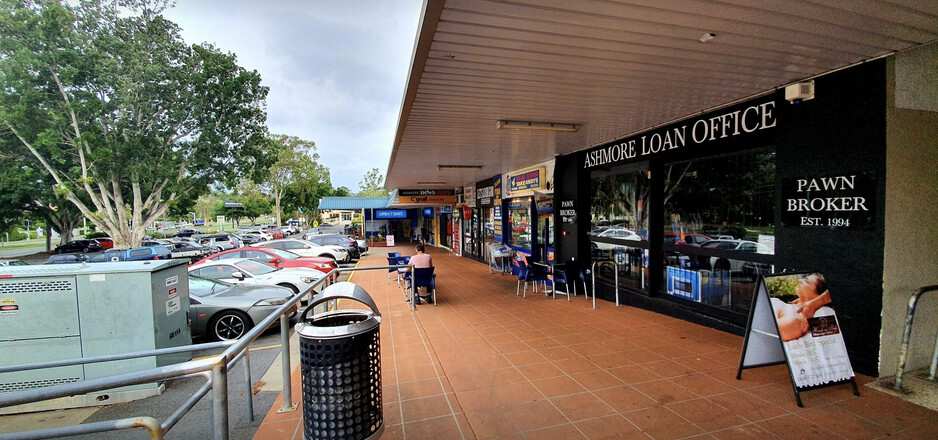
96	234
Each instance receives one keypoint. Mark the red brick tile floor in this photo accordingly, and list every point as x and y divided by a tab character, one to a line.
486	363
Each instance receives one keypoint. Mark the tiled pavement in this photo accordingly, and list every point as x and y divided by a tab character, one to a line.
488	364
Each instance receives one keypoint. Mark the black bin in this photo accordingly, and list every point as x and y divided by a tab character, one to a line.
340	358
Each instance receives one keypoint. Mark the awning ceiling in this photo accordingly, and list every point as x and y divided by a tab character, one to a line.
353	203
615	68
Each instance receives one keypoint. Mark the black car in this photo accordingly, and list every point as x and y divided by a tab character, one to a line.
354	252
65	259
248	239
186	232
82	245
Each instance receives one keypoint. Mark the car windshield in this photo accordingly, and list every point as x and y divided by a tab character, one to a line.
202	287
286	255
255	267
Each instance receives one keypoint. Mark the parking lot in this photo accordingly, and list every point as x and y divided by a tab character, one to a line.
264	355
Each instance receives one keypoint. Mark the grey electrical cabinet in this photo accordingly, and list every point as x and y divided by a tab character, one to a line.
69	311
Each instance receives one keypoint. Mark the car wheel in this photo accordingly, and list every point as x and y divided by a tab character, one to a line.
85	250
290	286
229	325
328	256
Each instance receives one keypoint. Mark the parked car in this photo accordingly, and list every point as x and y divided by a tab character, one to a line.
619	233
248	239
683	239
105	242
350	245
223	241
223	311
4	263
312	232
253	272
307	249
82	245
143	253
65	258
278	258
189	241
186	232
262	235
718	263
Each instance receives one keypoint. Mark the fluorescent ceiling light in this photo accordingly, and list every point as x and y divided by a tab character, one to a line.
549	126
707	37
459	167
435	182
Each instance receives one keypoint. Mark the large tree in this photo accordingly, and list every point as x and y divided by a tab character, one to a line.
372	185
297	179
120	112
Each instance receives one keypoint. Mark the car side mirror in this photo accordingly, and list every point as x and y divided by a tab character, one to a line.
238	275
273	261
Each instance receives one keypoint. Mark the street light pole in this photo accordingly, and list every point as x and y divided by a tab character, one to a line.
27	229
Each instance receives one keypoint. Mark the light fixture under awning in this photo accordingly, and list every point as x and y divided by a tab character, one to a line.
459	167
526	125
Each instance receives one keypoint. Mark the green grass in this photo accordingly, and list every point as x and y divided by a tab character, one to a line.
23	244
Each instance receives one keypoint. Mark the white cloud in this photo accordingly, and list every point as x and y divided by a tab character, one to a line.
336	69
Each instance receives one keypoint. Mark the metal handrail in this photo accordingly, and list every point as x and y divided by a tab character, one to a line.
594	279
907	336
215	369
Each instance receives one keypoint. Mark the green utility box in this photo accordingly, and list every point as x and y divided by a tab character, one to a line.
70	311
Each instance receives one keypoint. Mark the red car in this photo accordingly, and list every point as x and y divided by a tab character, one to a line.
686	239
278	258
105	242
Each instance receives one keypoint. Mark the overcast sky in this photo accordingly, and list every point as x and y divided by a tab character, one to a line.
336	68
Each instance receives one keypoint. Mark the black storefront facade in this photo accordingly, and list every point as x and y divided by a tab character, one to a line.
782	186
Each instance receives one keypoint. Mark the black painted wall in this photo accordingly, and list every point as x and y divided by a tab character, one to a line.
841	131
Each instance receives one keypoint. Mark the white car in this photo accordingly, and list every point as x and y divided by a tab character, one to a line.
307	249
246	271
734	245
619	233
263	235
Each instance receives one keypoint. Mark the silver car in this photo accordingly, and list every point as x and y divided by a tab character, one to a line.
223	311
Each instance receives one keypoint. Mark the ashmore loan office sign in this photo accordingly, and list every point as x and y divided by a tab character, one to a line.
751	119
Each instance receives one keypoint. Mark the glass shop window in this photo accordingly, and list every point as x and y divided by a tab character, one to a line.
520	222
719	231
619	226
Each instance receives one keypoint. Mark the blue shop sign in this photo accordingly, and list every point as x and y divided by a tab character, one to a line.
428	212
390	213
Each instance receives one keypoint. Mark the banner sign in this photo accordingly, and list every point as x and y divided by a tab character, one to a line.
446	209
423	196
845	201
426	192
544	203
497	189
485	195
390	213
532	179
497	220
741	121
456	236
469	195
791	323
567	211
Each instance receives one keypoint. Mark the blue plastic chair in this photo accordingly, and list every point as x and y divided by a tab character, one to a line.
528	273
424	277
394	254
392	261
578	274
560	277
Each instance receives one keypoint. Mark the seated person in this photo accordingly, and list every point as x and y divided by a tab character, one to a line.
422	259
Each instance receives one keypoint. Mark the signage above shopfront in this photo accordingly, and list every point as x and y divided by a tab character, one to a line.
845	201
532	179
390	213
707	129
469	195
412	196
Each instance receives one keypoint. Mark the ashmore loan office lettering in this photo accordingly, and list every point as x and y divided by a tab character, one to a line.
751	119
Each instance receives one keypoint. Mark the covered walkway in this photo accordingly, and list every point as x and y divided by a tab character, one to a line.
487	364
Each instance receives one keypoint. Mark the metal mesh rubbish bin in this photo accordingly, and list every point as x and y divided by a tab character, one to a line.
340	358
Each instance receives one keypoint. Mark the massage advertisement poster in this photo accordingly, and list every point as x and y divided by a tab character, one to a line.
808	328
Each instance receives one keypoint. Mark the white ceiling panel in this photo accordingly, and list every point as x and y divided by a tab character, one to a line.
615	68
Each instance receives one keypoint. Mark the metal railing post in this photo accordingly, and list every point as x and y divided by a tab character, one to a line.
288	404
220	400
907	337
248	385
616	265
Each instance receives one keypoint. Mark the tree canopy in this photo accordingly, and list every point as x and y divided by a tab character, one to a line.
124	116
372	185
